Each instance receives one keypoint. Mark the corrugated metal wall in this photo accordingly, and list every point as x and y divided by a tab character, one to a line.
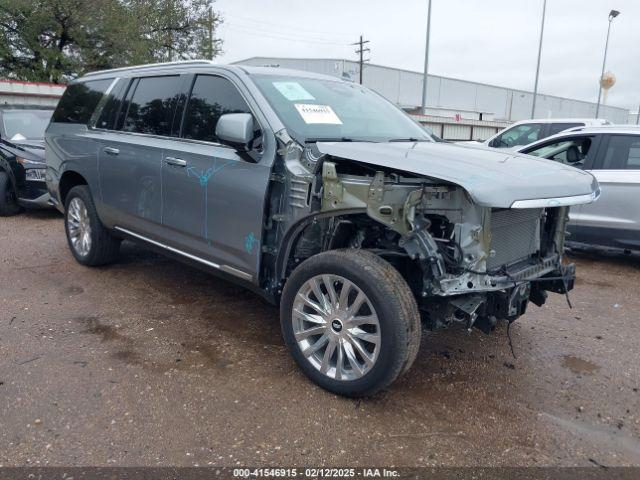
404	88
14	92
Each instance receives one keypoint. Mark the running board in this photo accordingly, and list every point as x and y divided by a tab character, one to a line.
225	268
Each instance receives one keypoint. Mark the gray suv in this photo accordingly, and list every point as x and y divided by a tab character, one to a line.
318	194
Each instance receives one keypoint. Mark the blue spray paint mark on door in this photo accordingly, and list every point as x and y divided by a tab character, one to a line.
203	177
250	242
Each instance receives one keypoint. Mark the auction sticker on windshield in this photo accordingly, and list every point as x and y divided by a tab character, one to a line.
293	91
317	114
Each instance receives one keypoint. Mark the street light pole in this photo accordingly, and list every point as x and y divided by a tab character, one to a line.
426	60
612	14
535	87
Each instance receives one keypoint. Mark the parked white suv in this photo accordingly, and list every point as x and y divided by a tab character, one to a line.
525	132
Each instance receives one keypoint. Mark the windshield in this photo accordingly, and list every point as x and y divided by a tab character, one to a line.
317	110
25	124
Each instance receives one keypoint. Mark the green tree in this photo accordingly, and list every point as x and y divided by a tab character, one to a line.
56	40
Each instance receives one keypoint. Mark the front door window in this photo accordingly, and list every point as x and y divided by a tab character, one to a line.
570	151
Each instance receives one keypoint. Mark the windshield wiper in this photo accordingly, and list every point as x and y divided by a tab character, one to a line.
328	139
338	139
409	139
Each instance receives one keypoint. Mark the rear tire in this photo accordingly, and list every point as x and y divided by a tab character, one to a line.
90	242
348	348
8	198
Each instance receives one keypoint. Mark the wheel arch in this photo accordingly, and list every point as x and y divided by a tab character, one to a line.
68	180
295	232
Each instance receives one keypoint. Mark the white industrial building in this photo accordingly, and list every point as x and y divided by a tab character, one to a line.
32	94
480	108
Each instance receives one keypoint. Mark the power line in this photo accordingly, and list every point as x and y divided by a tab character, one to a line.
291	27
360	52
272	34
280	33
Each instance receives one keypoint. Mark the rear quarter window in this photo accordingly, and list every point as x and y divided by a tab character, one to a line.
79	101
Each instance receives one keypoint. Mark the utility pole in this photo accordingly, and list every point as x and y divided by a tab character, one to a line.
535	87
426	60
638	116
361	51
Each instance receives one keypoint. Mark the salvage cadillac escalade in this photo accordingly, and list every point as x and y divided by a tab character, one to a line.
318	194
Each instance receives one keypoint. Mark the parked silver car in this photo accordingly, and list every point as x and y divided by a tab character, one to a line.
525	132
320	195
612	155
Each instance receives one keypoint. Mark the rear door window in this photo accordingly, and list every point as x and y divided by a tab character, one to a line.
79	101
152	105
622	153
519	135
211	97
561	127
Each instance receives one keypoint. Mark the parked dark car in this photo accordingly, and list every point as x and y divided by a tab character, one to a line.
318	194
22	162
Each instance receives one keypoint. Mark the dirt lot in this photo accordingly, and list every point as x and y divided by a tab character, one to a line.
149	362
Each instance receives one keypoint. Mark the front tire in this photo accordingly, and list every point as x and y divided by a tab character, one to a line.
8	199
90	242
350	321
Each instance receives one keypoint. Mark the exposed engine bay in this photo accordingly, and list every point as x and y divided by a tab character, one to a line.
465	262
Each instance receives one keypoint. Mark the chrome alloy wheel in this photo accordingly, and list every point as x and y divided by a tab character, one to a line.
79	226
336	327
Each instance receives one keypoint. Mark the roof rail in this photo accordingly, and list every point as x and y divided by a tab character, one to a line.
620	126
150	65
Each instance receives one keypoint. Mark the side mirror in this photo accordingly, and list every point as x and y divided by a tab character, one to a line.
235	129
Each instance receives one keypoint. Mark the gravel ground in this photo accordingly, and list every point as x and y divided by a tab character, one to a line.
150	362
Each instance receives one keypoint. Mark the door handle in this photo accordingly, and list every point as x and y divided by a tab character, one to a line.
178	162
111	150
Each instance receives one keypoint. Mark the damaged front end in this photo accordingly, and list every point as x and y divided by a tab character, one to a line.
466	263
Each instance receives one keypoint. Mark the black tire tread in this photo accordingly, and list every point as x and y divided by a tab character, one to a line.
401	294
7	209
104	246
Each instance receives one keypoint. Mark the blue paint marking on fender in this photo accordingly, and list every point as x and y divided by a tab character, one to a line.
203	178
250	242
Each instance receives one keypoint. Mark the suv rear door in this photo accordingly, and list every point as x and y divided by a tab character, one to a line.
130	156
614	220
213	196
